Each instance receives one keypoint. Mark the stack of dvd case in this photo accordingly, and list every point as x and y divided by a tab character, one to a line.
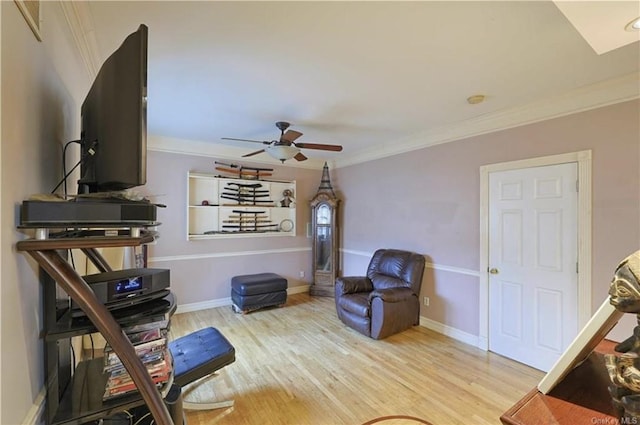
150	343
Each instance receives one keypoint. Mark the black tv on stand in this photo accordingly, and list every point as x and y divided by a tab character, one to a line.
114	121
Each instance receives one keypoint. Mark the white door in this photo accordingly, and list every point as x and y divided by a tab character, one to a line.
533	279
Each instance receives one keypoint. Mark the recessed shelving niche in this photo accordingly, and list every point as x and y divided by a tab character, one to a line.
221	207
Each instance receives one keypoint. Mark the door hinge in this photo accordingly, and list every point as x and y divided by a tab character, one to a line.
577	185
577	267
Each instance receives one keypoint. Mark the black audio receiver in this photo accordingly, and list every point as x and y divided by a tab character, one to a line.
124	288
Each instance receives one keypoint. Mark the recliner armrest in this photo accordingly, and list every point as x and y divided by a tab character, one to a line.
392	295
353	284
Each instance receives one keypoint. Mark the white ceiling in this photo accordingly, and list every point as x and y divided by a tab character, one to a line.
375	77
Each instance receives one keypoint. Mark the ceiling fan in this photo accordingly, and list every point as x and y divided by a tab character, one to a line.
286	147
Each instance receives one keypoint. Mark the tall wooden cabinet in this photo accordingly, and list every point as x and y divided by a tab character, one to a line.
324	212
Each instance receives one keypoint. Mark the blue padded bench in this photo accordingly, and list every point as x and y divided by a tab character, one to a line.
197	355
254	291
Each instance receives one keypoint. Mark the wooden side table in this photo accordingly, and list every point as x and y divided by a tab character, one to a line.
580	398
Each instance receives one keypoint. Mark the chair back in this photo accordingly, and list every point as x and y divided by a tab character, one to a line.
394	268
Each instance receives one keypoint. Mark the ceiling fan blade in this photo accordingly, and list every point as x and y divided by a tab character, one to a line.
245	140
290	135
253	153
300	156
319	146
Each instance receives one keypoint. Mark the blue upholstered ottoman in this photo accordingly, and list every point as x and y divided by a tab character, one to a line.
196	355
199	354
254	291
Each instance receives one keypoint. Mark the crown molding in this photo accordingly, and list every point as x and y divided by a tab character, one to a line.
605	93
80	22
594	96
215	150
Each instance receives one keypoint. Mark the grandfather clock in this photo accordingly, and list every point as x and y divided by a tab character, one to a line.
324	208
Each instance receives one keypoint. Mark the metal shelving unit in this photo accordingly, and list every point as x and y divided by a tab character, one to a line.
76	397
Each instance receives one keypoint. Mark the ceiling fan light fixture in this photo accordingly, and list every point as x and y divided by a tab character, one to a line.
282	152
633	25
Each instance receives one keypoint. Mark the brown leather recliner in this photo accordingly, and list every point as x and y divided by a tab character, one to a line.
386	300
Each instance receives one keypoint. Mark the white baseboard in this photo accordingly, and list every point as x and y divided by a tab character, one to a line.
203	305
222	302
36	412
449	331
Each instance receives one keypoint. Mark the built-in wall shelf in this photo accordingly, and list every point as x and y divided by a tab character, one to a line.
221	207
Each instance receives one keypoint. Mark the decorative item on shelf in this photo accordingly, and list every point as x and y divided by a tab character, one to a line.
624	369
286	225
287	198
243	172
246	194
324	207
248	222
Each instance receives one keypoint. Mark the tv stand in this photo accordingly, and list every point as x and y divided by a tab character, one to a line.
48	255
88	213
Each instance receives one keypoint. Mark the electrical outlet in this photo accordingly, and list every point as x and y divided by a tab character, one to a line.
426	301
301	273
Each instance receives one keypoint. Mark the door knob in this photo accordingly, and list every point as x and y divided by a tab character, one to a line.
493	270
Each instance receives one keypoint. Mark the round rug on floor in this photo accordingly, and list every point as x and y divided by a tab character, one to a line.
397	420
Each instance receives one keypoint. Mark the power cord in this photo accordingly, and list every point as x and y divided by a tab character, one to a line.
90	152
64	167
139	421
92	347
73	358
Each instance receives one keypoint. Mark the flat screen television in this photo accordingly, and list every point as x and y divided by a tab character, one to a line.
114	121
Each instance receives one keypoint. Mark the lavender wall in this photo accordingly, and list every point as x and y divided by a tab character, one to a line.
201	270
40	112
428	201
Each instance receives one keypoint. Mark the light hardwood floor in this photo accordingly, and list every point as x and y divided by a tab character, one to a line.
299	364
